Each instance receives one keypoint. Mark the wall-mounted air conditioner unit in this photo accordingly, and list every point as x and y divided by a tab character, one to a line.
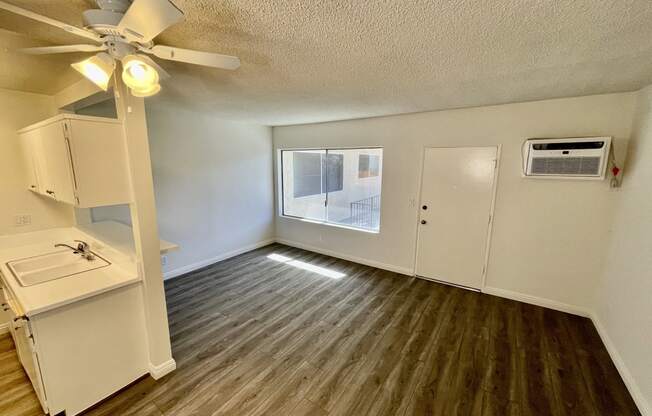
569	158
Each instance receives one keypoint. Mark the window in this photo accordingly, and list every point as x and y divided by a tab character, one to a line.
307	174
335	186
368	166
315	173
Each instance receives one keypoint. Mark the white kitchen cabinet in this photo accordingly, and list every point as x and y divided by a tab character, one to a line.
21	332
58	180
26	349
81	353
78	160
30	142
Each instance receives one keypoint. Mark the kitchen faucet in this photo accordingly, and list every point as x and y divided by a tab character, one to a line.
82	249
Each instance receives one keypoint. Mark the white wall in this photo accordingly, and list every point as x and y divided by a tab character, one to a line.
549	237
624	304
213	183
17	110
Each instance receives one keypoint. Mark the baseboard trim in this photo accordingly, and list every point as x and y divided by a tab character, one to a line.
628	379
158	371
384	266
198	265
535	300
4	328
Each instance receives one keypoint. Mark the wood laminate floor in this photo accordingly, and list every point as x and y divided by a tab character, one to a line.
16	394
255	335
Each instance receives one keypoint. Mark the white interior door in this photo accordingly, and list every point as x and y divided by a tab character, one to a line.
455	212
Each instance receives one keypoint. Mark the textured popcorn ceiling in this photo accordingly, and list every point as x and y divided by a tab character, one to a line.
309	60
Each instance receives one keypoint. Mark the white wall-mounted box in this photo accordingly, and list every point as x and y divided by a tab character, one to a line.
567	158
79	160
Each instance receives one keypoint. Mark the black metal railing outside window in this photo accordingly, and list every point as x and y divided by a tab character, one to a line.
365	213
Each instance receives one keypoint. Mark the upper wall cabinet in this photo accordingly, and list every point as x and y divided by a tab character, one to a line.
78	160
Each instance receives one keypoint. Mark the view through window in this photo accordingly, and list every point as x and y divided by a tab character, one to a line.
337	186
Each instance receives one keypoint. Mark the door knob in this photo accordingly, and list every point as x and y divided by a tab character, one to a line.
423	221
425	207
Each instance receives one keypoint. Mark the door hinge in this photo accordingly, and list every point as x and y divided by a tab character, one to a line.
489	219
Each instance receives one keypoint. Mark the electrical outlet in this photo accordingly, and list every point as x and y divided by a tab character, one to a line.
164	260
22	220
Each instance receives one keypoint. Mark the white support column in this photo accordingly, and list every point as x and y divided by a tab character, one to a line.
131	111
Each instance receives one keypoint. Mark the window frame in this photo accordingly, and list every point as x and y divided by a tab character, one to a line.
281	198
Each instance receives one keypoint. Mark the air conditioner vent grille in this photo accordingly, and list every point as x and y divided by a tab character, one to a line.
588	166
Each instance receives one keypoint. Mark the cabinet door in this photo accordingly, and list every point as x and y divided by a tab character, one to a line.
29	358
40	168
55	152
99	159
29	142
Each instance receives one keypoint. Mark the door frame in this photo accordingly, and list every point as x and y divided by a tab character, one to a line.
494	192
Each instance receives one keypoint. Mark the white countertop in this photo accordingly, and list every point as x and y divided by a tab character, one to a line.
49	295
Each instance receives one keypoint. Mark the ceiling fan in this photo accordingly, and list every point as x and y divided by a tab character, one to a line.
122	30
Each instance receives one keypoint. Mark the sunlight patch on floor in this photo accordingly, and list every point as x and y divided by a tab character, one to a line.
333	274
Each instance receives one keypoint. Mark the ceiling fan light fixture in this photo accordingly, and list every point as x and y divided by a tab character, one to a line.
146	92
139	75
97	69
125	27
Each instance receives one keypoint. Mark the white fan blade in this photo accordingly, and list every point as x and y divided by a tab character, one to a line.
68	28
145	19
214	60
62	49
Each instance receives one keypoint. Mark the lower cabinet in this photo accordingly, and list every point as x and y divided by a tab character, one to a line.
81	353
20	330
28	357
